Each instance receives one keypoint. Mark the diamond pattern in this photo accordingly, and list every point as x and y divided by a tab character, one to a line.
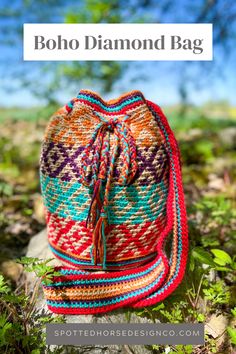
58	161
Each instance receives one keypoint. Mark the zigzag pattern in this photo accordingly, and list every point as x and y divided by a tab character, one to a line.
59	161
71	200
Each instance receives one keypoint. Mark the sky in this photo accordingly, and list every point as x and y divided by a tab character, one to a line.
214	81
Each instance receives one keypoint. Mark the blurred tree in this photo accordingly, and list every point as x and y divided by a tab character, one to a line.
222	13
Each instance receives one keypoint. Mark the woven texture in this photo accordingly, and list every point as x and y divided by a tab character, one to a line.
112	189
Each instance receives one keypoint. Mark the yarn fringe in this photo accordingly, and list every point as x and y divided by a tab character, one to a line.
99	241
95	204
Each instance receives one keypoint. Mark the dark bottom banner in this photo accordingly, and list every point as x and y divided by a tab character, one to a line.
124	333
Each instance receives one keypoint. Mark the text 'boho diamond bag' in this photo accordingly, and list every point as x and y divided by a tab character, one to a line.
111	184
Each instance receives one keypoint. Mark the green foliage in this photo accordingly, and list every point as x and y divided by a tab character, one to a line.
223	258
40	268
218	208
232	335
233	311
217	214
92	11
22	325
217	294
232	330
221	262
4	289
202	256
5	328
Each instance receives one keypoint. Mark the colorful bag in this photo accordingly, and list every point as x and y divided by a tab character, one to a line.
112	189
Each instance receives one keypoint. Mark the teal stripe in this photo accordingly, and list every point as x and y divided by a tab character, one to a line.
72	202
106	108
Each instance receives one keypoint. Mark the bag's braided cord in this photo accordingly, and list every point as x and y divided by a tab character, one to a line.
103	164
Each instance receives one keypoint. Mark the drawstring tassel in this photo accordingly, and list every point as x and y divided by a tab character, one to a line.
99	241
95	201
98	249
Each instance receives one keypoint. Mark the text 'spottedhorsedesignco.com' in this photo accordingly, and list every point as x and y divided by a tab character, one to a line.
112	188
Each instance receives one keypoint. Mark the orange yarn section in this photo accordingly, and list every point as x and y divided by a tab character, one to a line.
64	128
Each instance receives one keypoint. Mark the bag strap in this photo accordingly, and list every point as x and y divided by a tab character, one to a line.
176	208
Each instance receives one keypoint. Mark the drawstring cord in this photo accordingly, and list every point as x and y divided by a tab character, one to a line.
102	170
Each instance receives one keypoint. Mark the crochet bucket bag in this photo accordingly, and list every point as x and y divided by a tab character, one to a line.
112	189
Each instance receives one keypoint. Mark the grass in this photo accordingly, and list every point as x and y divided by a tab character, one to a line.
25	114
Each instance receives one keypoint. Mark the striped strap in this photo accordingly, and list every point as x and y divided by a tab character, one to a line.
177	210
